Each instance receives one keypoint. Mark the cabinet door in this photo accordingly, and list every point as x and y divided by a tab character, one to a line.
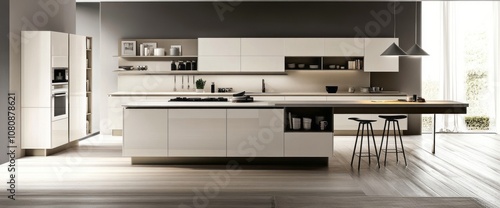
60	49
60	133
219	47
304	46
262	63
115	109
308	144
145	133
344	47
374	62
219	63
262	46
197	133
255	132
77	88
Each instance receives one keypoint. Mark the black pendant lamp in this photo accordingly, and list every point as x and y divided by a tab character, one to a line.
394	50
416	50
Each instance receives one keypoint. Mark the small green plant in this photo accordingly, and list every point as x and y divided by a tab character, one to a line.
200	84
477	122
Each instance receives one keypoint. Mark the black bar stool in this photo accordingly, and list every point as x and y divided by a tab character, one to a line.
394	120
362	123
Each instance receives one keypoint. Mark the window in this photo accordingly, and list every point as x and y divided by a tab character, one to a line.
462	40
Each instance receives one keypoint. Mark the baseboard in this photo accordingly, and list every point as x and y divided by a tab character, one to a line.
300	161
48	152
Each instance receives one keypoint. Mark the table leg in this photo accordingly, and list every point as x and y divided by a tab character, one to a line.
434	135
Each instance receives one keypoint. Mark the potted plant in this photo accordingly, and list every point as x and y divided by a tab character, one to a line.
200	85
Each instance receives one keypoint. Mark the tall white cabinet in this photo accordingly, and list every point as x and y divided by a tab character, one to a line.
77	87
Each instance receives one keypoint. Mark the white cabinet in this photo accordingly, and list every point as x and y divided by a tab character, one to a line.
219	47
197	132
219	63
262	46
308	144
77	88
344	47
145	133
373	61
255	132
59	49
59	133
305	98
262	63
304	46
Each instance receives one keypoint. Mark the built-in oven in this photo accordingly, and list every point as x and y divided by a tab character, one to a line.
60	100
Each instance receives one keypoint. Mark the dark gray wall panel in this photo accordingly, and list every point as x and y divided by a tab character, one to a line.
4	76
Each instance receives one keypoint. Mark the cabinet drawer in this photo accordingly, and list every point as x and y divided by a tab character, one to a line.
308	144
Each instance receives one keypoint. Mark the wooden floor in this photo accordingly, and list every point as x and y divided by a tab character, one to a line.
95	175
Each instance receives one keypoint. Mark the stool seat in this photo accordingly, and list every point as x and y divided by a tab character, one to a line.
364	121
394	117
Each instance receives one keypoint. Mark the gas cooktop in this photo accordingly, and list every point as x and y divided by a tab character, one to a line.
197	99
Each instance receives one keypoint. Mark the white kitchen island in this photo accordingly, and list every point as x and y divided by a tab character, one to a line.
247	130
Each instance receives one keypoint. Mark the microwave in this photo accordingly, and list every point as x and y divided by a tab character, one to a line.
60	75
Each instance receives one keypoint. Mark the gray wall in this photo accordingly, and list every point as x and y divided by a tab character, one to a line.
35	15
88	23
257	19
4	76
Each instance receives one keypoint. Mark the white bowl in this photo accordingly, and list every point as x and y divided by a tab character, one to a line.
291	66
313	66
301	66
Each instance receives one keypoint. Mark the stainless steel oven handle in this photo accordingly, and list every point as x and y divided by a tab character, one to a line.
62	95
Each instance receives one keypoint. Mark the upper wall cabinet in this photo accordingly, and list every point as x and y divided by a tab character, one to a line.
344	47
262	46
59	49
219	47
304	46
374	62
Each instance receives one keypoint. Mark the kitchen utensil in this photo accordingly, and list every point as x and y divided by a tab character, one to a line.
291	65
301	66
296	123
175	83
189	84
182	86
126	67
290	120
365	89
194	88
314	66
332	89
351	89
323	125
306	123
317	119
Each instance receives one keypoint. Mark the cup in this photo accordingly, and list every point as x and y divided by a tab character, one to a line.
307	123
323	125
296	123
409	98
351	89
317	119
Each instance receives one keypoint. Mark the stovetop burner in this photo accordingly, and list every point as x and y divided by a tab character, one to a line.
197	99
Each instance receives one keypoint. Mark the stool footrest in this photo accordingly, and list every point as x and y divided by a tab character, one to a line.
365	154
393	150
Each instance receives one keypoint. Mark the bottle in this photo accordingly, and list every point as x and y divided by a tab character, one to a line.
263	86
173	67
188	65
193	66
182	66
212	88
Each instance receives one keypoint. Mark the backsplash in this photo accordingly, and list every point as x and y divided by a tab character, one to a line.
295	81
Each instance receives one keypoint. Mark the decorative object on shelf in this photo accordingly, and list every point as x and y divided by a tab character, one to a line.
301	66
291	65
212	87
200	85
128	48
149	48
159	52
141	49
416	50
314	66
181	66
176	50
323	125
173	66
332	89
394	50
351	90
306	123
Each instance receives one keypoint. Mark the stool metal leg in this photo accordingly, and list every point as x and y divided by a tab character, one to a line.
355	144
382	142
387	142
401	140
361	145
374	145
368	140
395	142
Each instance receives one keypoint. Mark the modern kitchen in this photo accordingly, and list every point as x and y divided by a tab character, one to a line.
249	104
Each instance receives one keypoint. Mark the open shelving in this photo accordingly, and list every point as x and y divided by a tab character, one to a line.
89	85
323	63
312	113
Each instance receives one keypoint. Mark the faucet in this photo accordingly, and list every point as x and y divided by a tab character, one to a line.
263	86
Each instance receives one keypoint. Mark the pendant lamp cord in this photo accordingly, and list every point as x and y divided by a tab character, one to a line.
416	21
394	13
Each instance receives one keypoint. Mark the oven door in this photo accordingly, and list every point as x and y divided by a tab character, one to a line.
59	104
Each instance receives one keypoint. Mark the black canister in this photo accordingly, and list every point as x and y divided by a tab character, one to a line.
188	65
181	66
173	67
212	88
194	66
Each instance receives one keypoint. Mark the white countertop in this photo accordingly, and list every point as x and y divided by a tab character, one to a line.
206	94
